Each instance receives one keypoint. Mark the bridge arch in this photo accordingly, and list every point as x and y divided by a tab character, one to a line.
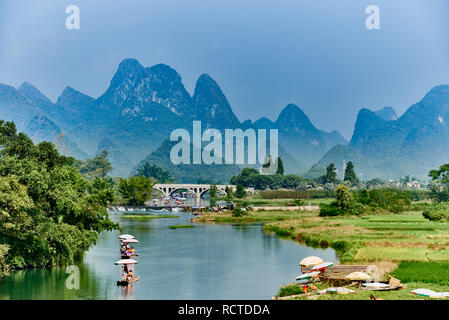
196	189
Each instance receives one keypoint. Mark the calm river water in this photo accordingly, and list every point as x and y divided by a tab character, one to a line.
210	261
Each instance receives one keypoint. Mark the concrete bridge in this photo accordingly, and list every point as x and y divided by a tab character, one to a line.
197	189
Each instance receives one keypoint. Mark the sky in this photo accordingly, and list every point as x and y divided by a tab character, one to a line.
317	54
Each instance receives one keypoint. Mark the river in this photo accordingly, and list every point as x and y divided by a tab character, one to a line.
209	261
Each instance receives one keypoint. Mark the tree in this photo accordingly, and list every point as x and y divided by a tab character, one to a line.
280	167
136	190
331	174
213	194
3	265
153	171
350	175
213	191
439	185
268	165
98	166
229	193
343	197
240	192
47	213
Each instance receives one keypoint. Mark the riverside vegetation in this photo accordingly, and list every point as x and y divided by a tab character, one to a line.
53	207
49	212
404	232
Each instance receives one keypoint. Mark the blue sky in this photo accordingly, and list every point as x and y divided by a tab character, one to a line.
264	54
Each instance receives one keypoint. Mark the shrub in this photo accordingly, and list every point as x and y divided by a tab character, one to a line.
331	210
438	212
237	212
393	200
343	196
295	203
240	192
296	194
290	290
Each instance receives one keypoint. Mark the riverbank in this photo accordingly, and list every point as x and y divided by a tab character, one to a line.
387	240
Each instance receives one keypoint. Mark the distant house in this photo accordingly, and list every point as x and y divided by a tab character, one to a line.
414	184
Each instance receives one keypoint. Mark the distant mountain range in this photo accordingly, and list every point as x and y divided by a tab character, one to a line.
141	107
388	147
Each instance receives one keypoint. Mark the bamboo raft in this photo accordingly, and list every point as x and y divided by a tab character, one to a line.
127	282
336	274
338	270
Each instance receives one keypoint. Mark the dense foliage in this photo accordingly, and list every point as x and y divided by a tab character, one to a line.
280	166
239	212
296	194
393	200
136	190
240	192
438	212
250	177
367	201
155	172
350	175
440	183
47	214
229	193
331	174
98	166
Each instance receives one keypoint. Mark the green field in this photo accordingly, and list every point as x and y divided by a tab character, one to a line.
182	226
418	246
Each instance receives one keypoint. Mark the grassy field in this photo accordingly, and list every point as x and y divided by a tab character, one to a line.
182	226
282	202
420	247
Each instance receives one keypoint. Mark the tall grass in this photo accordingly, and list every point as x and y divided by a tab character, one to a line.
295	194
425	272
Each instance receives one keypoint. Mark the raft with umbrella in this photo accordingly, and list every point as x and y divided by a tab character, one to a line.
127	261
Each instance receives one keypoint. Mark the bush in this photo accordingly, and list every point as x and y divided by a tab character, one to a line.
343	196
295	203
290	290
296	194
438	212
393	200
237	212
331	210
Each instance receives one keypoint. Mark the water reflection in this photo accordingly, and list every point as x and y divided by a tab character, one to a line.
210	261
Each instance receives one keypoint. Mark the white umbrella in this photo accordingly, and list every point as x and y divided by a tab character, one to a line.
358	276
126	261
311	261
126	236
130	241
